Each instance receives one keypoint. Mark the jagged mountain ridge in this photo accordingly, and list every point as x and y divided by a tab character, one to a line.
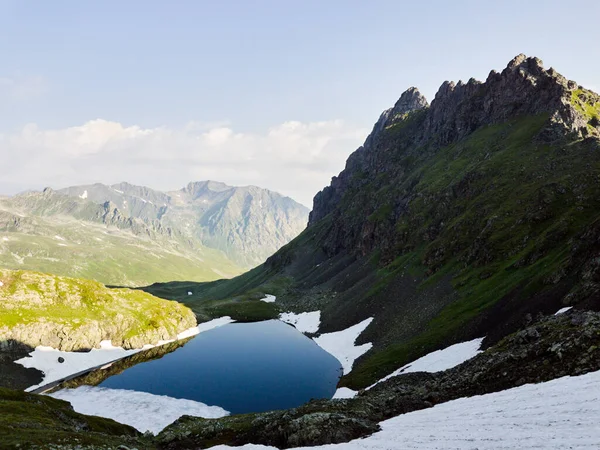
523	88
455	220
247	223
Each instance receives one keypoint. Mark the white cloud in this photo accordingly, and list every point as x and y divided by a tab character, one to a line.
294	158
21	87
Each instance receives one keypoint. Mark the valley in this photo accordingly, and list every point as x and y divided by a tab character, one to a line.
449	273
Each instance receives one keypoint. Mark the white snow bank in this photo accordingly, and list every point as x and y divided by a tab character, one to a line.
558	414
268	298
341	344
84	195
440	360
562	310
307	322
46	358
344	392
141	410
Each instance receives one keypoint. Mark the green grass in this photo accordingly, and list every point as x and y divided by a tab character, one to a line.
110	256
28	298
238	298
588	104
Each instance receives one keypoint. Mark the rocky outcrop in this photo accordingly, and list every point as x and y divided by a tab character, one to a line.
556	346
71	315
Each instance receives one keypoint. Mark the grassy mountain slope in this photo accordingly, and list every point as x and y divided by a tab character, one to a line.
455	220
53	233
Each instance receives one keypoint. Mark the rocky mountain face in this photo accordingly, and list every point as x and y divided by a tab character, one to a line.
464	218
247	223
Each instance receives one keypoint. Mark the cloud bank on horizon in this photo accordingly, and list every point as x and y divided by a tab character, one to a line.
294	158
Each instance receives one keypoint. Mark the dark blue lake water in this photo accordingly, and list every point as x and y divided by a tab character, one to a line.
242	367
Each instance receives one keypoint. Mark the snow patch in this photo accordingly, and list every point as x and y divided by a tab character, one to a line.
344	392
341	344
554	415
215	323
268	298
116	190
60	238
84	195
562	310
307	322
440	360
141	410
46	358
5	239
189	293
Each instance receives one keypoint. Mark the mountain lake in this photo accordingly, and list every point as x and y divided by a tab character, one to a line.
242	367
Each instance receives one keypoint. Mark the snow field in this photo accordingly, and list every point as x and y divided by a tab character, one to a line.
141	410
307	322
341	344
558	414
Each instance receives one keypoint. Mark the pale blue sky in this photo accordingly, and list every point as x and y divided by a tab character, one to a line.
251	66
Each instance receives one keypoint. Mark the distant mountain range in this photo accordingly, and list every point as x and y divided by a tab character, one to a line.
127	234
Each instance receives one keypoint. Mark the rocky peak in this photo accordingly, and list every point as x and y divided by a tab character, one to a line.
198	188
410	100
